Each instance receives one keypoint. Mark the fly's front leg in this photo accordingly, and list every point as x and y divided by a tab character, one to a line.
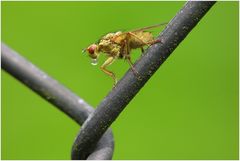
108	62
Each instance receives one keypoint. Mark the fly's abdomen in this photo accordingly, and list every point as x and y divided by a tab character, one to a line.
140	39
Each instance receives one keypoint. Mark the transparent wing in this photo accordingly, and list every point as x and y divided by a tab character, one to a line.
149	27
122	35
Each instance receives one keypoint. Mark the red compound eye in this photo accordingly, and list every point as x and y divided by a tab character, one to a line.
92	48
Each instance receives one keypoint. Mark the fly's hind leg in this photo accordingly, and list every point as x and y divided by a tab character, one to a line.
108	62
142	49
154	41
132	67
128	58
149	43
132	34
135	72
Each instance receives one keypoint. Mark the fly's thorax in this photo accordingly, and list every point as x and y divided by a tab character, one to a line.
110	48
116	50
118	33
108	36
105	45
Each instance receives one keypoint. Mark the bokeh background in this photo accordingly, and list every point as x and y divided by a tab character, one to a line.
187	110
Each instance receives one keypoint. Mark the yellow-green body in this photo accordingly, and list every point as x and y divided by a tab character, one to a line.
118	45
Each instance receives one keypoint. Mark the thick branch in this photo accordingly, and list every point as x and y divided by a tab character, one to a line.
55	93
109	109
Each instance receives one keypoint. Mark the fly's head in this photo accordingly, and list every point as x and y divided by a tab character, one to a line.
92	52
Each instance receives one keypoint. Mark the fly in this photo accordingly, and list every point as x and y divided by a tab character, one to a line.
118	45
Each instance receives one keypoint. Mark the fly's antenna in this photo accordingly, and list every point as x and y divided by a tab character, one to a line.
83	51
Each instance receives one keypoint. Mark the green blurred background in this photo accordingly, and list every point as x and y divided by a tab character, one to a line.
187	110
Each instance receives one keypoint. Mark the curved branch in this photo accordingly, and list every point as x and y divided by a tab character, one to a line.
55	93
113	104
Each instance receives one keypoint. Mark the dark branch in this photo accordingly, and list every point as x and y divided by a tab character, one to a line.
56	94
109	109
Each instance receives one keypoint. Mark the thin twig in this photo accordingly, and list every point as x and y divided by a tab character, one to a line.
109	109
55	93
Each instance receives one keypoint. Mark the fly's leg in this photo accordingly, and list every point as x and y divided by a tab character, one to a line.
132	34
135	72
108	62
142	49
154	41
146	43
129	59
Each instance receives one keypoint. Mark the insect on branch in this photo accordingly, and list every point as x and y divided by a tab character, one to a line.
113	104
118	45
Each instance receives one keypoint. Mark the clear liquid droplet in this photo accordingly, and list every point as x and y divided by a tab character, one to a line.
94	62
